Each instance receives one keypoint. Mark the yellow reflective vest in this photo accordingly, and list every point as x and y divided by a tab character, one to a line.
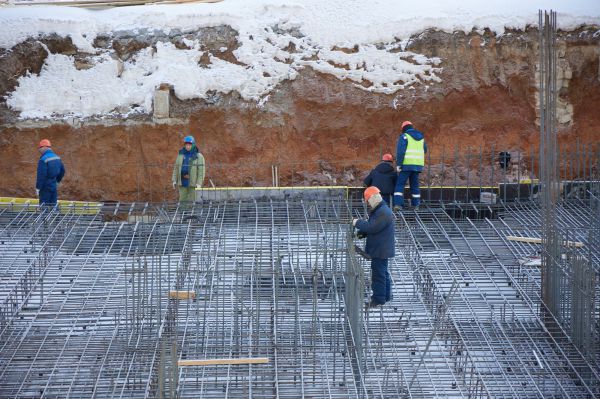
415	152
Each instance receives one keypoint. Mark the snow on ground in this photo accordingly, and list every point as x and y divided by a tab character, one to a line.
266	29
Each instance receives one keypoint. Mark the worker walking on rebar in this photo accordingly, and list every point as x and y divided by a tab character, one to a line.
188	172
410	158
379	228
50	172
383	176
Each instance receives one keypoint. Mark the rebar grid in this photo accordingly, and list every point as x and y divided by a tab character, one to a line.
494	321
270	285
271	279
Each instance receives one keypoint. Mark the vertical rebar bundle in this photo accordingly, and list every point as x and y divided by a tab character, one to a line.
549	167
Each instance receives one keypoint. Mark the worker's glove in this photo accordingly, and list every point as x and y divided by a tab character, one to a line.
360	235
398	168
354	222
174	184
37	192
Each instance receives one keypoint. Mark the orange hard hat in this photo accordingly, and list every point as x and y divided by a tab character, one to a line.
406	123
387	157
44	143
370	191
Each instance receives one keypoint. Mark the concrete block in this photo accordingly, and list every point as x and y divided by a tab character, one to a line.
161	103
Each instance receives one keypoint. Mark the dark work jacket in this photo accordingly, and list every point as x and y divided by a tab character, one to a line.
50	171
383	176
380	232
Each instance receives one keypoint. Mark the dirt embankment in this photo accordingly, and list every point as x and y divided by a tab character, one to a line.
318	129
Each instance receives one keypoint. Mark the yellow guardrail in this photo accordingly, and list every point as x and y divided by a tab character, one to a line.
64	206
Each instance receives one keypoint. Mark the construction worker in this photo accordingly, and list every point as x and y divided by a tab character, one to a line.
383	176
410	158
50	172
188	172
379	229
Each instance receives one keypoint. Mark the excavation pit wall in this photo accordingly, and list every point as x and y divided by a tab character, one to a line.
317	129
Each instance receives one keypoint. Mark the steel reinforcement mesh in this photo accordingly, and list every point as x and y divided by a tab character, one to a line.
114	303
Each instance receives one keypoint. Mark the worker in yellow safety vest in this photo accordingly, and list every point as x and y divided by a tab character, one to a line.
410	159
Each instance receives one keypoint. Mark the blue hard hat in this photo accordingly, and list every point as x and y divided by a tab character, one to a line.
189	139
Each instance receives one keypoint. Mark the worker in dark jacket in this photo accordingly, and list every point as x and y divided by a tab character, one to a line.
383	176
410	159
50	172
379	228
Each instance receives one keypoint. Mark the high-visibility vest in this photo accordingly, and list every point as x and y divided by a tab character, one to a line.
415	152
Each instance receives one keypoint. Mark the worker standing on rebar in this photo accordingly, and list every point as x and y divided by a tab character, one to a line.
410	158
383	176
50	172
188	172
379	228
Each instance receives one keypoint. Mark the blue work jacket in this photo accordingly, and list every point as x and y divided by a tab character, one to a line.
401	149
50	171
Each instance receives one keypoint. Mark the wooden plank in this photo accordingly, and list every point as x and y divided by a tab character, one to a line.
182	294
212	362
533	240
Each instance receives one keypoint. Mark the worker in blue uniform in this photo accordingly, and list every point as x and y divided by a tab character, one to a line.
50	172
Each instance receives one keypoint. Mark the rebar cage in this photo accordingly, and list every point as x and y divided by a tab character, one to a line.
114	303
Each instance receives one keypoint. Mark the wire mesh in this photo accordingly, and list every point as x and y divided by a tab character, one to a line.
95	314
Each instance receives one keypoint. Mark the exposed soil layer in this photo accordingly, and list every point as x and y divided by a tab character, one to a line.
316	128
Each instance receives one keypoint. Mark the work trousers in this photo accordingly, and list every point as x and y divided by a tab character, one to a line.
415	192
381	282
48	197
387	198
187	194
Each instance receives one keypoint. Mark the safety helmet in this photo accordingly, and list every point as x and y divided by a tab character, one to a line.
370	191
406	123
44	143
189	139
387	157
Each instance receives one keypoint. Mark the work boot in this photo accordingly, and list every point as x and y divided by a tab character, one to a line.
397	208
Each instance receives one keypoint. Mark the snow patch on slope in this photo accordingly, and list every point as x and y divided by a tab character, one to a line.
63	90
277	39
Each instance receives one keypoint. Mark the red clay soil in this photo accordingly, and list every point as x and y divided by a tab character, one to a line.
134	162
